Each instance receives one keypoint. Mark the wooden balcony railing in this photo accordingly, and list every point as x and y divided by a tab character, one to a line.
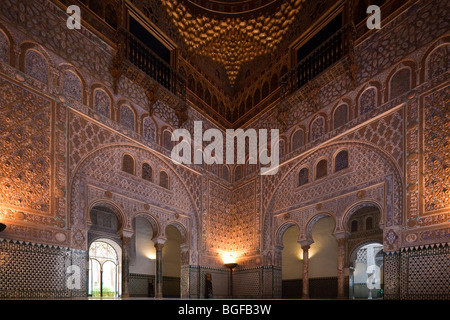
138	54
324	56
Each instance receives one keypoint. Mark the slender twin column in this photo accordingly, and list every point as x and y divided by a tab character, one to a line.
125	265
341	267
159	272
341	240
305	277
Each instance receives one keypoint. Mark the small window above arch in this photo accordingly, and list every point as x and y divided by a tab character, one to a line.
164	179
341	161
340	116
321	169
274	82
147	172
298	139
303	176
127	117
36	66
265	90
167	142
128	164
400	82
4	47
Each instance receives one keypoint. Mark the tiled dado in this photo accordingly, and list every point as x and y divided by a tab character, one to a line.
31	270
418	273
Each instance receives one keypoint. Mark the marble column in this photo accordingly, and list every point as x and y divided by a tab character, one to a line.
305	277
159	272
125	266
340	268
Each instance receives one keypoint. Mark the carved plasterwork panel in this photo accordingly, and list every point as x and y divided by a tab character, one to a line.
244	218
408	32
26	144
368	166
218	225
96	158
365	165
436	155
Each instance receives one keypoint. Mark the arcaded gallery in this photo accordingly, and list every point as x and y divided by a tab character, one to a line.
116	181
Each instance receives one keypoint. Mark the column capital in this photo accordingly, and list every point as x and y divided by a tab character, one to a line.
126	237
306	244
126	234
341	235
159	244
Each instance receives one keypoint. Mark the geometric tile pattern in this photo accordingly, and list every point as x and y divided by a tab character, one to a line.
247	283
425	273
34	270
27	130
391	269
385	133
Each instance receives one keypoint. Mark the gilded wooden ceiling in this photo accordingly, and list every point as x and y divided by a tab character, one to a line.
232	33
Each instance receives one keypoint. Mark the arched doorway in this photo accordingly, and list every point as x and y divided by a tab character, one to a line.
291	264
171	257
323	259
366	272
143	257
105	252
104	269
366	253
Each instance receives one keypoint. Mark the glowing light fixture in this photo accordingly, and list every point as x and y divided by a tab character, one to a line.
228	258
231	266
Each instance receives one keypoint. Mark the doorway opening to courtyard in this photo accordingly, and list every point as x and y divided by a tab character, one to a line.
366	272
366	257
104	269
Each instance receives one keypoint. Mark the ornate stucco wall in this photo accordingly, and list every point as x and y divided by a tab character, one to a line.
63	133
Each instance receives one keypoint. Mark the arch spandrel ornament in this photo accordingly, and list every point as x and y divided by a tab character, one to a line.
153	220
312	221
182	229
128	192
358	205
383	180
282	229
113	207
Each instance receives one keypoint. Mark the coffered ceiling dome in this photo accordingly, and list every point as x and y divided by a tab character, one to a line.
232	39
